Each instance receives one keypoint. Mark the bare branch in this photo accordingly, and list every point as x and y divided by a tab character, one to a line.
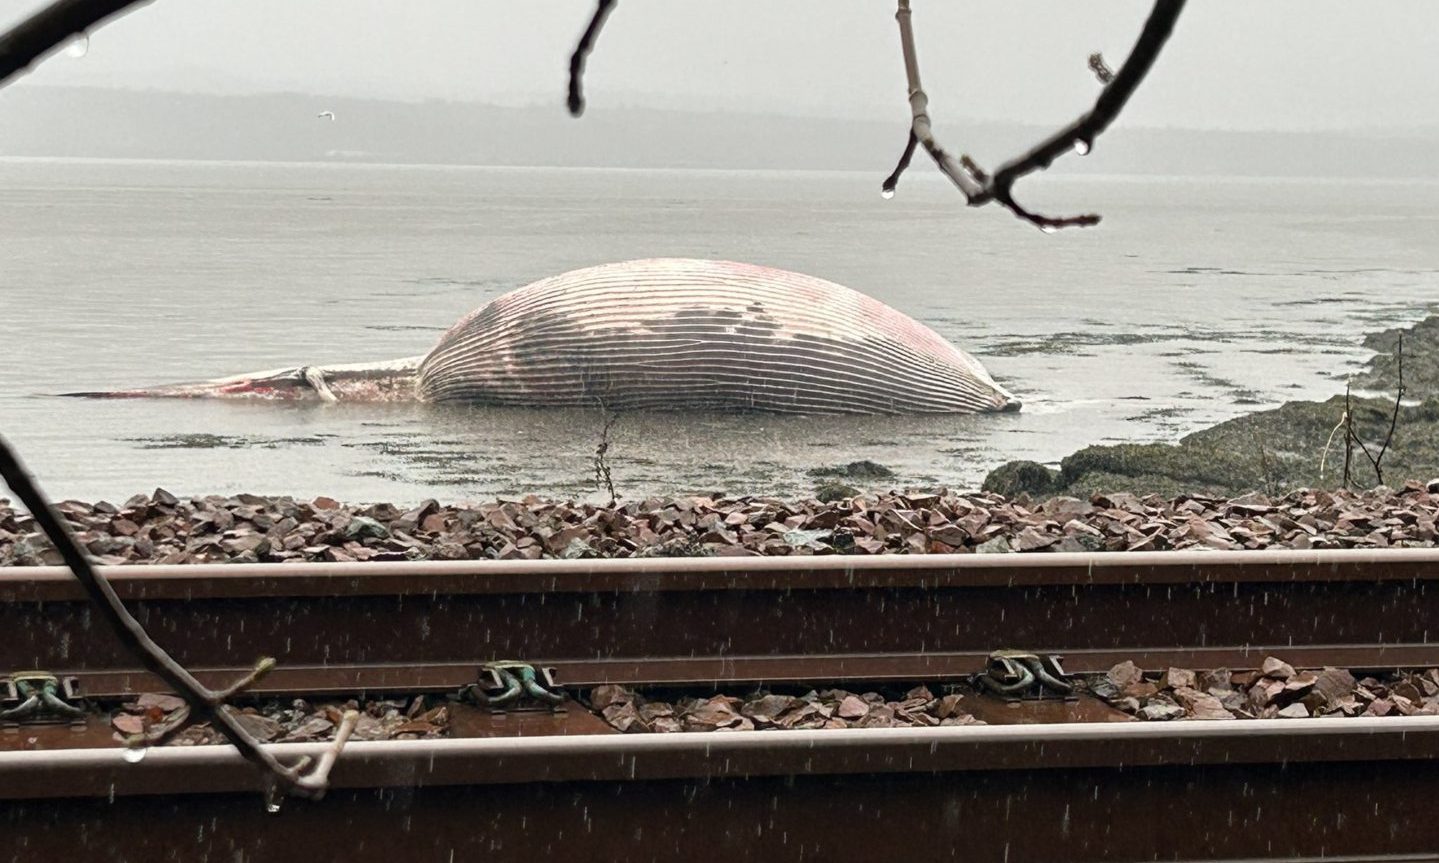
317	780
262	668
887	187
1348	435
602	465
1324	455
1394	417
54	25
582	52
204	703
920	130
1077	136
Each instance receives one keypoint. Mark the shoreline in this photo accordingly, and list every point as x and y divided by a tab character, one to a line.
1251	482
1277	450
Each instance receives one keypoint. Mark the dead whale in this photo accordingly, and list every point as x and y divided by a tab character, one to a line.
659	334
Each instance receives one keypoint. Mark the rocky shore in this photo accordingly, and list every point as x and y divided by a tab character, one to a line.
1274	451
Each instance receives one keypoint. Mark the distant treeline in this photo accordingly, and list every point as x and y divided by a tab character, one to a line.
88	122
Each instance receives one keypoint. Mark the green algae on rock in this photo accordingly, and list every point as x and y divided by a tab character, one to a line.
1275	450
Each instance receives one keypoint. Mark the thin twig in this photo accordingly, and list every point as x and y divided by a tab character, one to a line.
1324	455
1394	417
1364	448
887	187
1077	136
54	25
582	52
206	704
1348	434
1270	484
602	465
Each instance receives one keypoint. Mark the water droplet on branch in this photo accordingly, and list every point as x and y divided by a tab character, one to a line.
134	754
886	193
1081	147
78	47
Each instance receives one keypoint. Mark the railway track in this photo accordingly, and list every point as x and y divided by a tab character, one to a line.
1049	776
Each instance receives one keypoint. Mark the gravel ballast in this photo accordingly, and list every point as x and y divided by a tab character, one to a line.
163	528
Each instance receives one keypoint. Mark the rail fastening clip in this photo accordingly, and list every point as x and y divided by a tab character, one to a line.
1017	674
38	696
507	683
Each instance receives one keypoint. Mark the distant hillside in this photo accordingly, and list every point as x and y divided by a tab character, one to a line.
52	121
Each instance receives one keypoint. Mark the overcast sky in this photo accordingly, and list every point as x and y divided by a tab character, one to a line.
1235	64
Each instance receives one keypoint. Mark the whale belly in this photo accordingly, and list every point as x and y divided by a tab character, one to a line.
676	334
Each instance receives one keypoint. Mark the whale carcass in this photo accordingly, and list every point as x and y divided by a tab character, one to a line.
662	334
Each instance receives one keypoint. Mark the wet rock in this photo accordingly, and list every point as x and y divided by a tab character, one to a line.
1299	685
1274	667
1032	539
834	492
313	728
851	707
159	701
363	527
1380	707
1021	477
948	706
1334	685
1178	678
260	727
767	709
1263	693
997	545
855	470
714	714
1067	509
1124	674
1201	705
1160	711
1216	680
879	716
1141	689
128	724
624	716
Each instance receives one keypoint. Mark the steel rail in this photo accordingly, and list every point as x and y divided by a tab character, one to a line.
423	626
1352	789
698	755
195	581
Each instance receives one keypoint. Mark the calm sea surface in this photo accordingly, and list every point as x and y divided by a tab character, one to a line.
1195	301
